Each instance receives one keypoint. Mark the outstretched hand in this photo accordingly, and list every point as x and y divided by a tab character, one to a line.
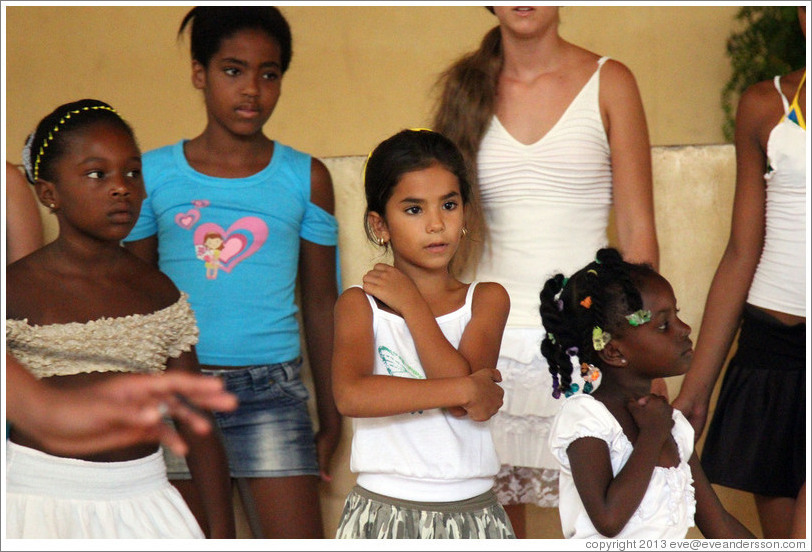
113	413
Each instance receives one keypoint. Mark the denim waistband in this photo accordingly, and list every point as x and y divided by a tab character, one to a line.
283	371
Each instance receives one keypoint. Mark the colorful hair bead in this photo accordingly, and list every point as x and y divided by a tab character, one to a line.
586	302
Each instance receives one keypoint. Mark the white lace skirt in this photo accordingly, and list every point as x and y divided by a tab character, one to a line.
52	497
521	428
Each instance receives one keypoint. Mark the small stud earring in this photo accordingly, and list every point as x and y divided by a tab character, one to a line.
52	206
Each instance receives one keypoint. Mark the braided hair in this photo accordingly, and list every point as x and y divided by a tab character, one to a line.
581	313
49	141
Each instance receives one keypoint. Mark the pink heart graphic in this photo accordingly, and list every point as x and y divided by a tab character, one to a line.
235	239
188	219
232	246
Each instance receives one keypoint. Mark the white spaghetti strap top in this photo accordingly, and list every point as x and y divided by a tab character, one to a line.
546	204
780	280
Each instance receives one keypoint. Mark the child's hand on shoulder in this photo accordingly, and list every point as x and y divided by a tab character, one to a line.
652	413
486	395
393	287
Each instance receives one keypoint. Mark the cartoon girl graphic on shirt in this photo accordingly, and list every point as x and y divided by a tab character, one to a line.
209	252
223	249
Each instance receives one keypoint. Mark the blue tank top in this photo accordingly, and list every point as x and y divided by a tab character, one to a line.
232	244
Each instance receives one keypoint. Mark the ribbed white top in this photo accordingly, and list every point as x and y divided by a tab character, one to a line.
547	203
780	280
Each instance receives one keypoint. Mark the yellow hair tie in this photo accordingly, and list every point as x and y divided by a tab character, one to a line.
57	128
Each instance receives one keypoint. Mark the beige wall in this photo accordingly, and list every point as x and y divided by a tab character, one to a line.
358	73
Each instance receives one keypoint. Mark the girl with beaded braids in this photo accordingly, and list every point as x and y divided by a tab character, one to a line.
627	464
83	310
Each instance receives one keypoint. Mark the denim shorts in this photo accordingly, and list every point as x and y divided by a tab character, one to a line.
271	433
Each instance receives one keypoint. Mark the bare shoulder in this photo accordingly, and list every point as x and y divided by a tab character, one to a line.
760	107
150	282
321	186
761	95
352	298
26	280
490	296
617	77
352	311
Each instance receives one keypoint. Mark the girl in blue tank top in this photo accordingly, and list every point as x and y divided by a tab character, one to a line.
240	222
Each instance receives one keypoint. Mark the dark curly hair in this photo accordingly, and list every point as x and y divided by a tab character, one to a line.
600	295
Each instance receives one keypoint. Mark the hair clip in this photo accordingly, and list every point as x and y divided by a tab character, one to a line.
600	338
639	317
592	271
586	302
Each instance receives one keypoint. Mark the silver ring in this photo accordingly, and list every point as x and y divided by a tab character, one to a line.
163	408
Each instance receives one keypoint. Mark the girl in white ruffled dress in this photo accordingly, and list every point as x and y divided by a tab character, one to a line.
627	460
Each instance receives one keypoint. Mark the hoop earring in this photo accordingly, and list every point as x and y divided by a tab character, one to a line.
464	231
380	241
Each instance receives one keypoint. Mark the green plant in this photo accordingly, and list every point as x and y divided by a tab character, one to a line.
771	43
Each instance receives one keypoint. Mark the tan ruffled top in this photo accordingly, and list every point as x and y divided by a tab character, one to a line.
135	343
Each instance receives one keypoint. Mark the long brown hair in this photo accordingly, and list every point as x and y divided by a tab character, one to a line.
464	111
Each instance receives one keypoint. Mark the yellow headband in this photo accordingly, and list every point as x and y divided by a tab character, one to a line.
57	128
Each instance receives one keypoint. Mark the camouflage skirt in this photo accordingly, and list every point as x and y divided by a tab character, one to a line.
368	515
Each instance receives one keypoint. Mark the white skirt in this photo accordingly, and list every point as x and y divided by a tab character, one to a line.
521	428
53	497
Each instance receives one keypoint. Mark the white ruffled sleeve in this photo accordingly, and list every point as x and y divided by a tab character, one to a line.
580	416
